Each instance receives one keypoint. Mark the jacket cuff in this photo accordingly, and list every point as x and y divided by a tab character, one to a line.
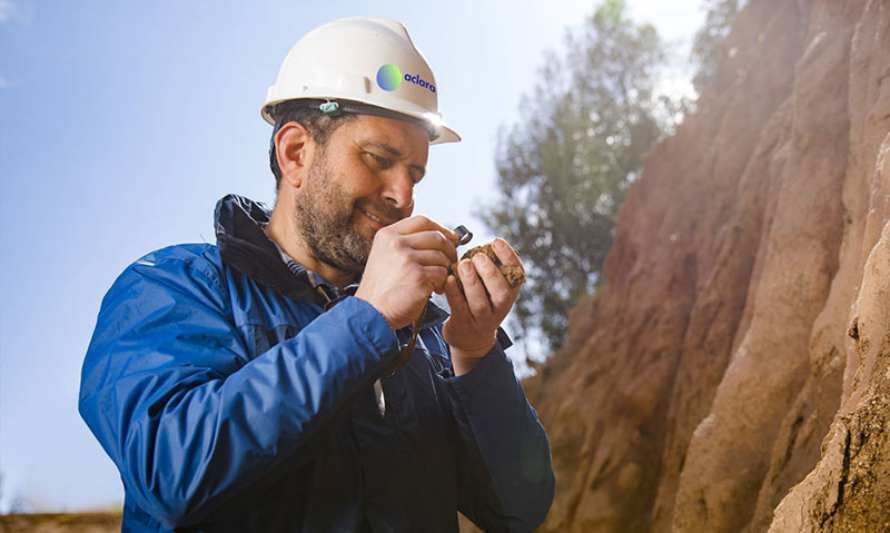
491	369
487	364
365	318
504	339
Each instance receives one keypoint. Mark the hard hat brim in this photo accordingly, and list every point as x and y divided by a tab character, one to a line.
439	132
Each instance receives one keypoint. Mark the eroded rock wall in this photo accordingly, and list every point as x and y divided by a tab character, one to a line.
696	389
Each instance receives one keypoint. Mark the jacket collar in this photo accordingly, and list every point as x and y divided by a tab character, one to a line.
243	245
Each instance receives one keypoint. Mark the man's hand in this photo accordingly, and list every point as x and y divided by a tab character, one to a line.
408	261
477	312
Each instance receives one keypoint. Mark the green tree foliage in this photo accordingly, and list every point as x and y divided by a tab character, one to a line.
564	168
707	45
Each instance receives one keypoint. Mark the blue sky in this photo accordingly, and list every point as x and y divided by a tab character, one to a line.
122	123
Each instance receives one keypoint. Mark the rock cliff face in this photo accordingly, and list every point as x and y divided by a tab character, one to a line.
733	373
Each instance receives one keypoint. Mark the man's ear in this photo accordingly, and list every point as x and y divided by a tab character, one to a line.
294	148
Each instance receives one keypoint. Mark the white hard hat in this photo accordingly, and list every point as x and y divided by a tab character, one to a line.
361	65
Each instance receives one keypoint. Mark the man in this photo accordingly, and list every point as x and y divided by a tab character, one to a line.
297	377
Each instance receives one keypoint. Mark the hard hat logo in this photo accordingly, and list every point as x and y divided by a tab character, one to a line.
417	80
389	77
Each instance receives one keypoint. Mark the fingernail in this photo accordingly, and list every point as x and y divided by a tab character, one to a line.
479	259
500	244
465	267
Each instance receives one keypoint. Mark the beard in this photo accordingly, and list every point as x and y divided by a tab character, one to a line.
325	218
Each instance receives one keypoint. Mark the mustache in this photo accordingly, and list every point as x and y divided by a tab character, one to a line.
387	213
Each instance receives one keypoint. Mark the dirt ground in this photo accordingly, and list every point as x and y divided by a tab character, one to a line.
60	523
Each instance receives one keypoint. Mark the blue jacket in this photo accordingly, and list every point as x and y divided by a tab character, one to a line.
231	399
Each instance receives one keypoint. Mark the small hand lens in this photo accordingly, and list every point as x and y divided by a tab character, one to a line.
463	235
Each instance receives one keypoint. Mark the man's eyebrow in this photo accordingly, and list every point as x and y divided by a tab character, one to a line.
393	152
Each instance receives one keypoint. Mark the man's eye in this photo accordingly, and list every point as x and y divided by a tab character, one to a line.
381	162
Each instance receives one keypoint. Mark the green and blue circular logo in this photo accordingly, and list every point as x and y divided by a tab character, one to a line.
389	77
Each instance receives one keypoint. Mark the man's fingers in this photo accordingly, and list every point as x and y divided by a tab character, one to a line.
420	223
474	290
456	300
432	240
430	258
434	277
506	253
494	281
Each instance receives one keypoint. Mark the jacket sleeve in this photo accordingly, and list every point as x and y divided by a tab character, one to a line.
506	480
169	391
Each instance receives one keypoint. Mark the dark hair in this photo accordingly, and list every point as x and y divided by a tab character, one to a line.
307	114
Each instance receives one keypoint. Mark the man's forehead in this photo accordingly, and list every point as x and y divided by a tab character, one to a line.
399	135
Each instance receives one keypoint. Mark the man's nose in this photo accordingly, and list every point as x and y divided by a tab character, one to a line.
399	191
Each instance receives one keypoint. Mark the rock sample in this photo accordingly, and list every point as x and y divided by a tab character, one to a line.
514	274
